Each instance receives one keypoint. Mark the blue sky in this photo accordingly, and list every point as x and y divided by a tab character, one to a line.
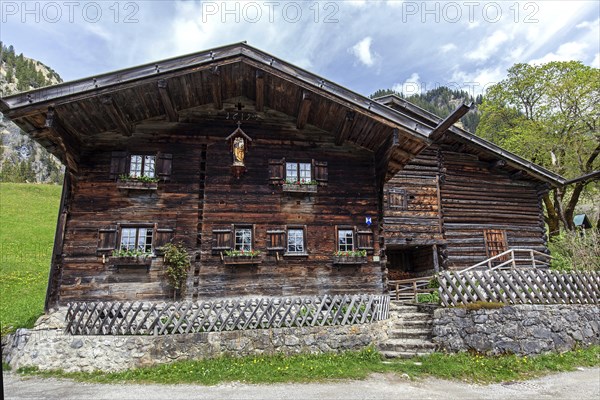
363	45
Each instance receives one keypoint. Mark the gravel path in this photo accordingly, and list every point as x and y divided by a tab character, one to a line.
580	385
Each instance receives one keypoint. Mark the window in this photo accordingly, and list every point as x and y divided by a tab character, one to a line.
345	240
243	239
142	166
398	198
136	239
295	241
298	172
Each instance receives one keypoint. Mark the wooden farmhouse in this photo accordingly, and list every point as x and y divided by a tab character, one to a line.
277	182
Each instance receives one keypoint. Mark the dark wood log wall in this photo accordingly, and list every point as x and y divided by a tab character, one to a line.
417	220
202	195
97	204
477	196
349	196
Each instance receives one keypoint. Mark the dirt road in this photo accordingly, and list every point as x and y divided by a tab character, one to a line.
580	385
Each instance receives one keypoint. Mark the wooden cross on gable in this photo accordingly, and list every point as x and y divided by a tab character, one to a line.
238	145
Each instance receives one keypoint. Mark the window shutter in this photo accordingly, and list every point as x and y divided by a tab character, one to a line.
222	239
276	240
118	164
320	172
495	243
164	166
276	171
398	198
162	236
364	240
107	240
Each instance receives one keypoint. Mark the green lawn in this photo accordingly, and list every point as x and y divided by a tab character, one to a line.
349	365
28	215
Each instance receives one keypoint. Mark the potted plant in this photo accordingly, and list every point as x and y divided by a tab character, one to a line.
241	257
300	186
350	257
137	182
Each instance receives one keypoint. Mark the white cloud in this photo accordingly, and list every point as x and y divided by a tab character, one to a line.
566	52
596	62
362	50
488	46
476	82
592	25
410	86
448	47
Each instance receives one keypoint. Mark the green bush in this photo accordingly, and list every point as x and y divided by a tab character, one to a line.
177	262
576	251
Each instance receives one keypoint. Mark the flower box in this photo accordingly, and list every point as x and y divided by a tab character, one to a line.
241	260
349	259
295	188
136	185
130	261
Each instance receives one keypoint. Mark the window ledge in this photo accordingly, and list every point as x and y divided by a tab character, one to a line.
133	261
241	260
295	254
136	185
349	260
293	188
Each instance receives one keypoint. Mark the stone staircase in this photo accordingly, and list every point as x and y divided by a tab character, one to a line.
410	332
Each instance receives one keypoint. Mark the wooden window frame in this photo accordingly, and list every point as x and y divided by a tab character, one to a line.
240	227
137	227
302	228
281	235
143	161
337	237
298	177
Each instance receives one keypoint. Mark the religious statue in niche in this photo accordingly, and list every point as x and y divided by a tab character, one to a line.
238	143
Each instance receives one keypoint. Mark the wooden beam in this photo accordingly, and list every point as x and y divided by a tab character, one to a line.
260	90
303	110
344	130
66	141
445	124
216	88
117	116
518	174
165	98
498	164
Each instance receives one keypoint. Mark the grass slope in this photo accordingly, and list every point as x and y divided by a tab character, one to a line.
28	215
348	365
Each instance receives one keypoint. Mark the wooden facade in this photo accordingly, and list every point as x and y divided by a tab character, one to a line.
397	189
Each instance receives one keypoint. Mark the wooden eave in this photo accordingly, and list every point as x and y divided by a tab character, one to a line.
455	133
121	100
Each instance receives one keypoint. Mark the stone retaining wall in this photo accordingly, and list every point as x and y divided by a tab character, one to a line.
51	349
521	329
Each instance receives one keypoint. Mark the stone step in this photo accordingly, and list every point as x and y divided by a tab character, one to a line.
403	308
407	333
405	354
410	316
406	345
413	324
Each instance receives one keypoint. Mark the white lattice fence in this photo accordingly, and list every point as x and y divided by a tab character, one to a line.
137	318
519	286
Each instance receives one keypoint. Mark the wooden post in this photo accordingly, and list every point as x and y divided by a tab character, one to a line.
436	264
532	259
512	253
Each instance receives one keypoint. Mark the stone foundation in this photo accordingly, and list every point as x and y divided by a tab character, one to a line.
50	349
522	329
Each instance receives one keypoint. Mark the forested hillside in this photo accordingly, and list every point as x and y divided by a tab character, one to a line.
441	101
21	159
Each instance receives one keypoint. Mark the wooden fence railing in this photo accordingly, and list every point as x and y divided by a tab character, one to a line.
513	258
519	286
408	289
137	318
